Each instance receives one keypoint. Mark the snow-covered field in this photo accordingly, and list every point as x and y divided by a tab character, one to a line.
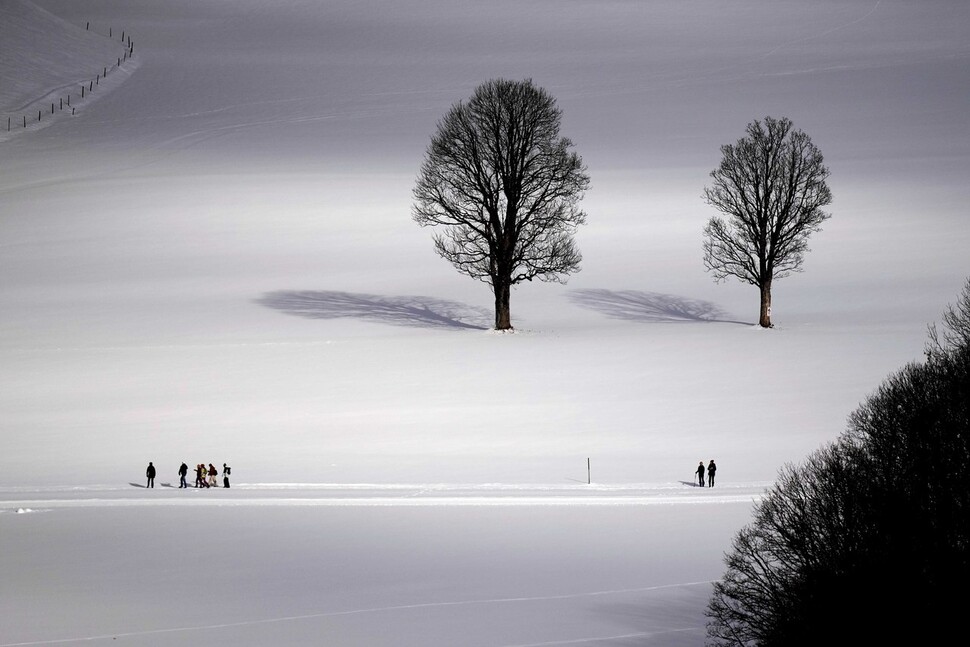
213	260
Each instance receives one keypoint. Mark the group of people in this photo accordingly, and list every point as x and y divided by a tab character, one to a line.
711	468
204	476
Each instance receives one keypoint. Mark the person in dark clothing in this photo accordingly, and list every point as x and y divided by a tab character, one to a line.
700	473
183	470
198	476
711	468
225	475
150	473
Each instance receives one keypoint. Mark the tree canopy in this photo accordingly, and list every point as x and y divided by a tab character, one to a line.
503	187
771	187
868	541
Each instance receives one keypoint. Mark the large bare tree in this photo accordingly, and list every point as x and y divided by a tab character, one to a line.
503	186
771	186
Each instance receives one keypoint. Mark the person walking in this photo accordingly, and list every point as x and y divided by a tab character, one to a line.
711	468
198	476
150	473
700	473
183	470
225	475
212	475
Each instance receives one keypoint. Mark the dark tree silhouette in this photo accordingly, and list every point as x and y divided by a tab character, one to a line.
771	186
504	187
868	542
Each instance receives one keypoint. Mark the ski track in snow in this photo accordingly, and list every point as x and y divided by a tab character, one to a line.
42	499
400	607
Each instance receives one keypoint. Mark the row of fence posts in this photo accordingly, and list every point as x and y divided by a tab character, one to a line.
129	52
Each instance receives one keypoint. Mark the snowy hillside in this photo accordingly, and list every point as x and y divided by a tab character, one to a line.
215	261
46	61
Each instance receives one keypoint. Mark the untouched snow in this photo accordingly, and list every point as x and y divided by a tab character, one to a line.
214	261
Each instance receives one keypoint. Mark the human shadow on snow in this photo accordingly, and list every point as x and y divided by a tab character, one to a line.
412	311
650	307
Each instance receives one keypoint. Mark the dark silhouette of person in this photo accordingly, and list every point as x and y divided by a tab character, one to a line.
700	473
150	473
225	475
198	476
711	468
183	470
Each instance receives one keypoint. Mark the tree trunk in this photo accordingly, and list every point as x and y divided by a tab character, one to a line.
765	319
503	316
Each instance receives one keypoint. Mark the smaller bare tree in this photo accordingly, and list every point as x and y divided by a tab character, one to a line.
771	185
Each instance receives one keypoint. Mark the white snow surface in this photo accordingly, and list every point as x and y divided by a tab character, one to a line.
213	260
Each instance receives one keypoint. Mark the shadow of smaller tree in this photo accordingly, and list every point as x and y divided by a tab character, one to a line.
649	307
411	311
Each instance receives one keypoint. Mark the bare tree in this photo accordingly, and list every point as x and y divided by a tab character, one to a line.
871	535
956	332
771	186
504	187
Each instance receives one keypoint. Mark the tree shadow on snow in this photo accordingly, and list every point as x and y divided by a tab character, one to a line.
650	307
411	311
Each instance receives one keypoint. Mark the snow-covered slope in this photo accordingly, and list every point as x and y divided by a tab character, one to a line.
216	262
45	60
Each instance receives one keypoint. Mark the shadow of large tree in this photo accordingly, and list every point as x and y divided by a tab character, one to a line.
651	307
412	311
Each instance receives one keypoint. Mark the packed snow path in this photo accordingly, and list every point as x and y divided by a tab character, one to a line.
388	494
